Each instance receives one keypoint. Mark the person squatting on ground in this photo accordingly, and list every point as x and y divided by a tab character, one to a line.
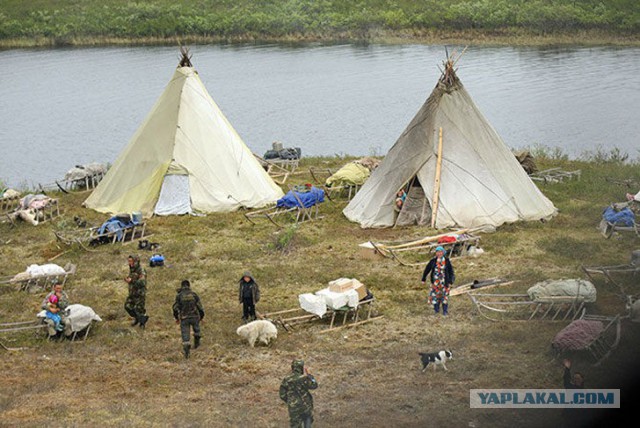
137	280
63	302
188	312
294	390
249	295
442	278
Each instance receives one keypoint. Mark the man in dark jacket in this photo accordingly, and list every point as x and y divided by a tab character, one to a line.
294	390
442	278
187	311
135	303
249	295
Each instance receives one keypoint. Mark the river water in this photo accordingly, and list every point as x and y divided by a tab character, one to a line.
61	107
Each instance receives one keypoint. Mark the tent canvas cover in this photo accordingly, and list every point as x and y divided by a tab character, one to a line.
188	149
481	182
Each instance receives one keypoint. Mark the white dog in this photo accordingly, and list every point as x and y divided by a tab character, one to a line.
260	330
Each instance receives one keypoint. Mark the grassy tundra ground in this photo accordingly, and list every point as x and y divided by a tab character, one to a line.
368	376
531	22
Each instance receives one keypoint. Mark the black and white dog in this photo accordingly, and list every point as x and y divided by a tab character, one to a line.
435	358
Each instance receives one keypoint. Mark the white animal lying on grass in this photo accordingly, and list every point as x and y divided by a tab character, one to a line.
261	330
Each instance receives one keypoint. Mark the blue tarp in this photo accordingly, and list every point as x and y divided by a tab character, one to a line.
624	217
309	199
115	224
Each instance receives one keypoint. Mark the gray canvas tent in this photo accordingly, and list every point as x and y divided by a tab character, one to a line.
185	157
476	181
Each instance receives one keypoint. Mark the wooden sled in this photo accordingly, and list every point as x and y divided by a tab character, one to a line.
345	316
608	229
602	346
427	246
610	271
91	236
295	215
41	281
520	307
345	192
9	204
555	175
276	171
41	215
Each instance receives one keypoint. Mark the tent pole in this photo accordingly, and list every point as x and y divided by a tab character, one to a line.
436	184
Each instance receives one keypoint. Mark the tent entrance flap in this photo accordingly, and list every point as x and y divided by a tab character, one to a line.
416	209
174	196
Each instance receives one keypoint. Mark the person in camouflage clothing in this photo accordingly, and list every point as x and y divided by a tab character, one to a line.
187	310
137	281
294	391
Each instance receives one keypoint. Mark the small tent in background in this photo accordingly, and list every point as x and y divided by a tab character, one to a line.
476	180
185	157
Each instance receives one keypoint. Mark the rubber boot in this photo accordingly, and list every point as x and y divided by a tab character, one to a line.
185	351
436	307
445	309
143	321
196	342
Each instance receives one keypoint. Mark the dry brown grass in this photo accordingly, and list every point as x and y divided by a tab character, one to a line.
369	376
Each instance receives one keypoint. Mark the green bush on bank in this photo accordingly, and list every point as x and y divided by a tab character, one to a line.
322	18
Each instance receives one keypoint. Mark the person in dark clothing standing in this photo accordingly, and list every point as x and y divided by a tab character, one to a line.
442	278
249	295
188	312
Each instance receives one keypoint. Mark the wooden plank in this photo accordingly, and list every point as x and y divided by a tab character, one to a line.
353	324
436	184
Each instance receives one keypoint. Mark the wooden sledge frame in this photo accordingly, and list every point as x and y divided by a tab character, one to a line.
349	191
608	229
555	175
299	214
9	204
590	271
42	214
606	342
428	246
558	308
43	281
287	319
278	173
84	237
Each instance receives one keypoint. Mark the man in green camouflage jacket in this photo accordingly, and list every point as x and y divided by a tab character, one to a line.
294	391
137	281
187	310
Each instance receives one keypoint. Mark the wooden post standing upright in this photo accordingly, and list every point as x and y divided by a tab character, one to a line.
436	184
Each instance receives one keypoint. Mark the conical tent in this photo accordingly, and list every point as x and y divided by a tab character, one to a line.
480	181
185	157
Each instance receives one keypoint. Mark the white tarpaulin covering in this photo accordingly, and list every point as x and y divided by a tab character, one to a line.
563	288
79	317
313	304
174	196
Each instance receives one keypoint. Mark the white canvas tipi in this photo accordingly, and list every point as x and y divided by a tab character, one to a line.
185	157
480	182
